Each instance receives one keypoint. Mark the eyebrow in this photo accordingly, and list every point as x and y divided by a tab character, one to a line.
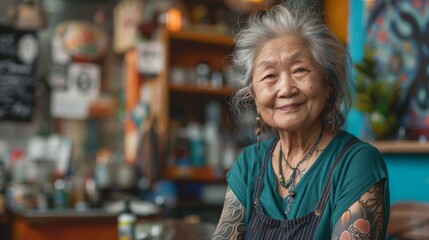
264	64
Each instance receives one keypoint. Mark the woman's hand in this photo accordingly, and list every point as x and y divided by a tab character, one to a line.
364	219
232	220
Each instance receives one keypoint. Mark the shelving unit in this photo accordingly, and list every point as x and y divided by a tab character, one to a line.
202	37
186	49
402	146
186	102
191	89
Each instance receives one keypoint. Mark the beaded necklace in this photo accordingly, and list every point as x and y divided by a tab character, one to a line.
290	183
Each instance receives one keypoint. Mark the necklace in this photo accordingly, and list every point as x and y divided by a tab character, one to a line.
300	172
290	183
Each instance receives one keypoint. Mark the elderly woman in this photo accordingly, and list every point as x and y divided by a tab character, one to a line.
312	179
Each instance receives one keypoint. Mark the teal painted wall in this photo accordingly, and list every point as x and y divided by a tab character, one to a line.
408	173
408	176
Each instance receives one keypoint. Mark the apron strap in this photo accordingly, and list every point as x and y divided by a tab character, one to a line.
320	206
260	181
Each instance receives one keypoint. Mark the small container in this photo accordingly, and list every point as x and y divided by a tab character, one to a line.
178	75
60	195
126	223
213	145
216	79
203	74
197	145
181	149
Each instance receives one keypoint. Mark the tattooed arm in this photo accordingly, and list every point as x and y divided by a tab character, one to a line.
232	220
364	218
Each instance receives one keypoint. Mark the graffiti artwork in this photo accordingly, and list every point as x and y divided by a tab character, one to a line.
398	30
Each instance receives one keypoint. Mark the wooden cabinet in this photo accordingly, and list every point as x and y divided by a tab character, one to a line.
178	95
63	225
182	98
187	93
185	51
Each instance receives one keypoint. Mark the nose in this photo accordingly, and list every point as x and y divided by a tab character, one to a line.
286	85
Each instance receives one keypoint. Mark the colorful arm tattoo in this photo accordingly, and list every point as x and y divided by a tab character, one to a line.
232	220
364	218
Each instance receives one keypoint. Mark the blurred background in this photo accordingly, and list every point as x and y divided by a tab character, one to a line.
114	106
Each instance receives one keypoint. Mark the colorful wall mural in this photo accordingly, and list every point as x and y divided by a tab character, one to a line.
398	32
368	25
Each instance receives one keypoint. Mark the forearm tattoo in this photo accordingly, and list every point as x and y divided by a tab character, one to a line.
232	220
364	219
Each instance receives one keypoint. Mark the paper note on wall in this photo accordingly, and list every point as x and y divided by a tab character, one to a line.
83	86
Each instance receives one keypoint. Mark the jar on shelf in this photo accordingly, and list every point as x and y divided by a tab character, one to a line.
197	144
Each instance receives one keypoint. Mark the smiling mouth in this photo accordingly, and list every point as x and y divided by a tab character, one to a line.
289	107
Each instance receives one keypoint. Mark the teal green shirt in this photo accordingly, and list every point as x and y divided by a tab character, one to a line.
360	168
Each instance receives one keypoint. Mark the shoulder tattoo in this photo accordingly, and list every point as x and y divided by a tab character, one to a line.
364	218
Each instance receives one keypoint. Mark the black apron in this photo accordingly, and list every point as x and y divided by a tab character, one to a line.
262	226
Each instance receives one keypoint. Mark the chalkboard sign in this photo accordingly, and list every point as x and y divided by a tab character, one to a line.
19	50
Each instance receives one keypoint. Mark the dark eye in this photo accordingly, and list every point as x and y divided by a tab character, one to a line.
269	76
300	70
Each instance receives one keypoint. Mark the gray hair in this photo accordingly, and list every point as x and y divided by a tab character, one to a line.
326	49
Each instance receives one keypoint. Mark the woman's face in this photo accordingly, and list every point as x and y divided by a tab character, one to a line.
288	86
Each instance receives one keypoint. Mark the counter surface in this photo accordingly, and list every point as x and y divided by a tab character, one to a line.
99	224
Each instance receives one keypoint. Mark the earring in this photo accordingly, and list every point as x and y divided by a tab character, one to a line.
258	129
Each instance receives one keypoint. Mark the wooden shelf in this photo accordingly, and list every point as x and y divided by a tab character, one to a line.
64	216
65	225
187	88
401	146
202	37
